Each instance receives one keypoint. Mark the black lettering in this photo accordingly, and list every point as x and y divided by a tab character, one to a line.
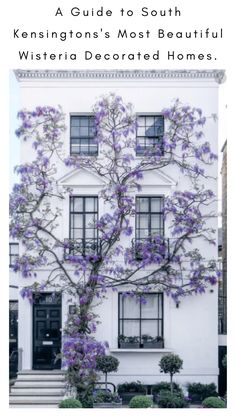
75	11
59	12
144	11
190	56
88	55
122	34
15	34
23	55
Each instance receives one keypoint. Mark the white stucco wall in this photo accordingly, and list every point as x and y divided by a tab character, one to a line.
191	329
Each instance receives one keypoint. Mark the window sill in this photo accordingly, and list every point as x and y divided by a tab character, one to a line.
142	350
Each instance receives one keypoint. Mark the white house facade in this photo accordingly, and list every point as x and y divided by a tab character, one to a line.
189	329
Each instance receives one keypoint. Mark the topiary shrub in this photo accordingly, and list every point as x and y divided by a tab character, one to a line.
133	387
163	385
128	390
107	363
198	391
171	400
171	364
70	404
214	403
140	402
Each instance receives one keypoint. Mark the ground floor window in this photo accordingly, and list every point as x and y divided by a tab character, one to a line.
141	321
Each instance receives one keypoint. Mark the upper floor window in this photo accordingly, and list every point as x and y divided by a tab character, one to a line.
149	217
83	217
82	135
150	132
13	253
141	322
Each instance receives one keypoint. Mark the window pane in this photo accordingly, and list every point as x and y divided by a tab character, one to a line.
156	204
75	121
14	248
77	221
142	204
142	221
84	121
131	307
77	234
141	131
160	306
141	121
150	120
90	233
78	204
84	149
89	220
159	125
83	132
155	223
150	309
90	205
130	328
149	327
142	234
74	132
150	131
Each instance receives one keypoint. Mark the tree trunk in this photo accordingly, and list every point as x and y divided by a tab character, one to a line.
106	380
171	383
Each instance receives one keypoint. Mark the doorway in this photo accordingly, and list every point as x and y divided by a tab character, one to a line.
46	331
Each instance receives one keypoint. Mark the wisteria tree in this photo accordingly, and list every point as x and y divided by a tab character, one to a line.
172	264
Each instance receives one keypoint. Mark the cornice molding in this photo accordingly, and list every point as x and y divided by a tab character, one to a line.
26	75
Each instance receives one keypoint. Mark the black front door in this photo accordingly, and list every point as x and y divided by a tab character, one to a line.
46	333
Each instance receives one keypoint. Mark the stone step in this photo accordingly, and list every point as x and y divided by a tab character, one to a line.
33	406
37	391
45	376
36	399
38	384
42	372
39	379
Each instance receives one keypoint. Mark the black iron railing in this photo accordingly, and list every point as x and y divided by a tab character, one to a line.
155	246
82	247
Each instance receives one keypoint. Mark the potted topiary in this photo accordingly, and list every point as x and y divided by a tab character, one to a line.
152	342
175	400
106	400
164	386
107	363
171	364
128	390
129	342
140	402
